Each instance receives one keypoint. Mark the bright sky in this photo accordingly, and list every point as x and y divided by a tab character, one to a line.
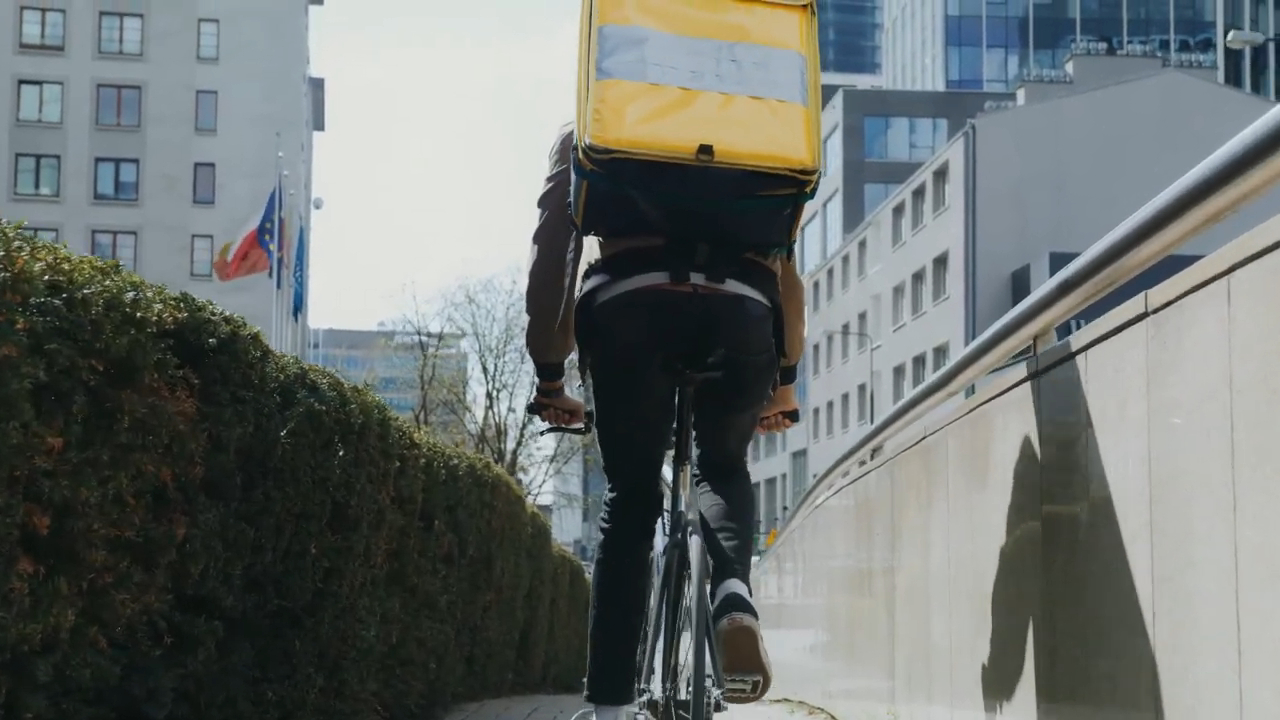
439	119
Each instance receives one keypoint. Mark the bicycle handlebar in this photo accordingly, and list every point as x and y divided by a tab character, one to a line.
588	422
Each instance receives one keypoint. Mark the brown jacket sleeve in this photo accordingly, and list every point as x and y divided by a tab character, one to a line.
791	288
553	270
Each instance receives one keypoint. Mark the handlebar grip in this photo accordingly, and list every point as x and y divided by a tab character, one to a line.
537	408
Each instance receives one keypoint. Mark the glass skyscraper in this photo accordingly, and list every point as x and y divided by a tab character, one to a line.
991	43
850	35
1253	69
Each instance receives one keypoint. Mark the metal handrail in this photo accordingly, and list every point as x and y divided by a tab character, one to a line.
1243	168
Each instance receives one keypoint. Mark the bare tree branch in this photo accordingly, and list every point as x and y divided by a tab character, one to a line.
474	380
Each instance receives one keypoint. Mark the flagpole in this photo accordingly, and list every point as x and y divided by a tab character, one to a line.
295	286
275	245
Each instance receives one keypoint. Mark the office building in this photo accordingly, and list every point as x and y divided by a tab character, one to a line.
873	140
153	133
1253	68
986	45
422	378
999	209
849	37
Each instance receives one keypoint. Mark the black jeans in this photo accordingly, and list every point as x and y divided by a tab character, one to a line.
634	338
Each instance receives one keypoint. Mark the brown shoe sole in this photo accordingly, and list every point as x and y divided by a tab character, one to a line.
743	659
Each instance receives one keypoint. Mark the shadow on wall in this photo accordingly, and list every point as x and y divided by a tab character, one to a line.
1064	577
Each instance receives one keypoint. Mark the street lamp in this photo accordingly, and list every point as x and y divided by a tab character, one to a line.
1238	39
871	366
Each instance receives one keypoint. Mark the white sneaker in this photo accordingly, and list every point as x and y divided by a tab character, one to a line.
740	645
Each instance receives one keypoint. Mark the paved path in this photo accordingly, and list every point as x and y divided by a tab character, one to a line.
563	707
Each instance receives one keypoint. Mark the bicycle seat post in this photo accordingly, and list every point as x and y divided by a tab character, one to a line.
683	455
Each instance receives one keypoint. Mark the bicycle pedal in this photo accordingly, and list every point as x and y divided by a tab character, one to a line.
743	686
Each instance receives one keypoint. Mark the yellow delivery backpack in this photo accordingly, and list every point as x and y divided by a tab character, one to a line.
697	119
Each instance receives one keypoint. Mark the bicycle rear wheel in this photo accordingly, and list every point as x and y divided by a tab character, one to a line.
687	697
699	700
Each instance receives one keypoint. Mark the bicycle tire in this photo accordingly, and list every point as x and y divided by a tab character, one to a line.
673	621
695	556
651	625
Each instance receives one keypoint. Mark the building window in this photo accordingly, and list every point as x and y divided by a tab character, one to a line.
831	283
917	292
903	139
207	40
863	334
817	295
755	449
201	256
39	102
37	176
941	356
206	111
845	332
42	29
119	34
833	221
811	245
120	246
845	272
49	235
919	370
119	106
874	194
844	411
917	207
899	383
817	353
831	418
941	188
940	289
899	307
862	403
877	316
832	152
831	351
115	179
862	258
899	224
204	184
817	424
770	444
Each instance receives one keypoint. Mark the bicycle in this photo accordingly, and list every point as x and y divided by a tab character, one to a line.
680	602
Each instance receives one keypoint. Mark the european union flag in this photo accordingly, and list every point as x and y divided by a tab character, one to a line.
299	262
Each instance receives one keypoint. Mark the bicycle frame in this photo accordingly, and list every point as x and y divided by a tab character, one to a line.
683	540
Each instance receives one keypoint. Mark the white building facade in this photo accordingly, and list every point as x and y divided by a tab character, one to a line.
980	225
153	133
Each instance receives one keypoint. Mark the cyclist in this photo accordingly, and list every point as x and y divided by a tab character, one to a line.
629	331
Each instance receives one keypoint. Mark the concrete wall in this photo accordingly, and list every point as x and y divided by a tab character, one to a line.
1091	536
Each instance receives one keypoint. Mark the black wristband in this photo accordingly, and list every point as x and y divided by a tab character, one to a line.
549	372
788	374
549	393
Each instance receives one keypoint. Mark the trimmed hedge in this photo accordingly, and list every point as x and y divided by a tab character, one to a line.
195	526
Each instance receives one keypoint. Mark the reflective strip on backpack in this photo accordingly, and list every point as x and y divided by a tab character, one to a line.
640	54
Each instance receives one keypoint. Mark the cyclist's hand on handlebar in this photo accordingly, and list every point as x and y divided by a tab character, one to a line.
781	412
564	410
